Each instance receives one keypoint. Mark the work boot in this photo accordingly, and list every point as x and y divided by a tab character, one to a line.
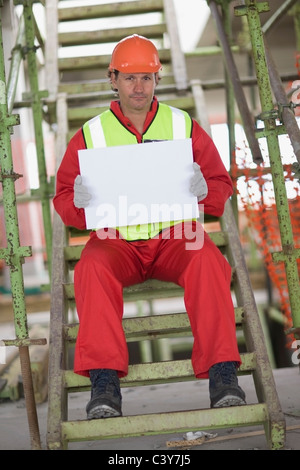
106	395
223	386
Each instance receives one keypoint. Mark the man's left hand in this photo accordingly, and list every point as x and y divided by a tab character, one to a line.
198	184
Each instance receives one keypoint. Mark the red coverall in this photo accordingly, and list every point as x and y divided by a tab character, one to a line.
107	265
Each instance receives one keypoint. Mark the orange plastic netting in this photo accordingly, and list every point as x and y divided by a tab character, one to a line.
254	188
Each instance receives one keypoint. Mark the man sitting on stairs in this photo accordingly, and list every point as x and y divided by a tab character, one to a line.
115	258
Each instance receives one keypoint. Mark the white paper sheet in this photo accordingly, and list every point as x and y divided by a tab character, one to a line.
137	184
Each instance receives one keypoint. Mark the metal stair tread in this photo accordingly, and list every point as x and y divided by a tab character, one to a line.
154	373
78	38
152	326
100	90
149	289
73	252
108	10
165	423
78	115
98	61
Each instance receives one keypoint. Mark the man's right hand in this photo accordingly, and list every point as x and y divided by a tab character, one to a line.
81	195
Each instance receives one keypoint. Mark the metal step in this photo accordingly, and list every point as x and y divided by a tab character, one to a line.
78	115
153	326
73	252
98	62
79	38
153	373
101	90
109	10
162	423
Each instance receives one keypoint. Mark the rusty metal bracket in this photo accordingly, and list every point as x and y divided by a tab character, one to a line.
10	258
287	254
49	190
281	107
241	10
26	50
34	97
11	120
260	133
17	48
24	342
266	115
14	176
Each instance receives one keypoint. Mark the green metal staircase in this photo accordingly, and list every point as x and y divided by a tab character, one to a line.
78	90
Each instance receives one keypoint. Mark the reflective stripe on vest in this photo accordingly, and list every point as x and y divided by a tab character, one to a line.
178	124
96	132
106	130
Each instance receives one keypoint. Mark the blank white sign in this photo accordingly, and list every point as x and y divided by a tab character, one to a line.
138	184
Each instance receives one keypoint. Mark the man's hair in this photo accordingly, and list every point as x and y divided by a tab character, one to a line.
116	72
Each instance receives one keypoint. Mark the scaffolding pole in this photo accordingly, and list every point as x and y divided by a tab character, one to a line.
14	254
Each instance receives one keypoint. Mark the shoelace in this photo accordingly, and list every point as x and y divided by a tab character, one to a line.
104	381
226	372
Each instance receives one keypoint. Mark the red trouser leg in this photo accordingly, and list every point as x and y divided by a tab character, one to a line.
108	265
104	267
205	276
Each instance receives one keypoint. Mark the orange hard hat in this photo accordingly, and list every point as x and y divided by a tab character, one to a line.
135	54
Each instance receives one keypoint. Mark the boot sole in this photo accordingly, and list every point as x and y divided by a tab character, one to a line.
229	400
103	411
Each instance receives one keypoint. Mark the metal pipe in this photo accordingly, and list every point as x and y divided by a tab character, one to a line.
36	97
230	108
29	398
289	253
247	119
14	254
286	112
16	58
280	12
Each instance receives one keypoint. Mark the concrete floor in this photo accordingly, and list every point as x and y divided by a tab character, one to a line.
15	435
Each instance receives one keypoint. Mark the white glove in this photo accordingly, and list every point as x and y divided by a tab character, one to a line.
198	184
81	195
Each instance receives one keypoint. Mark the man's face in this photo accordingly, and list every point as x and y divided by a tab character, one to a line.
135	90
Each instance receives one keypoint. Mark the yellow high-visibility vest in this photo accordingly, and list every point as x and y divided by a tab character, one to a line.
105	130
